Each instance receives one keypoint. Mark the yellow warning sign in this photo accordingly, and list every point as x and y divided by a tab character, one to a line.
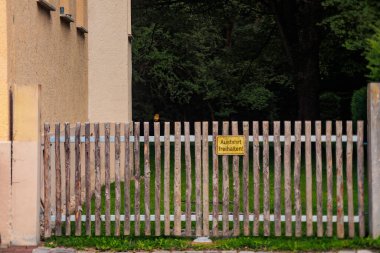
230	145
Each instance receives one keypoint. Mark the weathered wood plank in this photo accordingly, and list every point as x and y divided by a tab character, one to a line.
78	186
360	177
266	181
309	180
117	179
318	174
67	179
236	185
256	177
297	177
107	178
157	155
167	179
58	189
47	181
188	178
198	179
215	181
177	179
87	178
350	194
226	186
246	180
287	179
205	179
127	179
339	181
329	177
277	179
137	177
98	184
147	179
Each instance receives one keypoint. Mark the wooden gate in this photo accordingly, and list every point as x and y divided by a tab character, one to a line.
295	179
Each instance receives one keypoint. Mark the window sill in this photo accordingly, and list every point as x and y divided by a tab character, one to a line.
67	18
82	29
46	5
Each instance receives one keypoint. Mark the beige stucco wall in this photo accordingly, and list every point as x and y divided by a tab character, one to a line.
109	60
46	51
4	102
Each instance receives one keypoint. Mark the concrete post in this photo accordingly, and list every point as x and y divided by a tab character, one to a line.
26	166
374	158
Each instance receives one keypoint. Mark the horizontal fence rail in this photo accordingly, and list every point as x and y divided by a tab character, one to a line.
295	179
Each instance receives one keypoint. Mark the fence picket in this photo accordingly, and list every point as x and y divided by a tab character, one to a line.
215	181
226	186
78	187
58	189
137	177
205	178
167	179
157	155
297	174
188	178
318	174
329	158
198	178
147	179
350	194
360	175
87	178
266	178
67	179
287	179
236	185
127	179
107	179
277	178
246	180
117	179
177	179
309	180
47	181
256	177
98	198
339	181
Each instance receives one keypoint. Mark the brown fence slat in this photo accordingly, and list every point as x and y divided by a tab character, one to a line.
309	180
215	181
157	155
107	178
236	185
329	177
137	177
205	179
350	194
198	178
58	189
277	179
246	180
266	178
47	181
98	185
117	179
297	176
318	174
188	178
78	187
339	181
287	179
226	186
360	175
67	175
256	178
167	179
177	179
147	178
127	179
88	178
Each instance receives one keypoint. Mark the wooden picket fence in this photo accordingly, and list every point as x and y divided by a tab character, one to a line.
231	199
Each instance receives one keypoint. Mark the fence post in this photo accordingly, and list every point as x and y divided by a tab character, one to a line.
26	165
373	111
